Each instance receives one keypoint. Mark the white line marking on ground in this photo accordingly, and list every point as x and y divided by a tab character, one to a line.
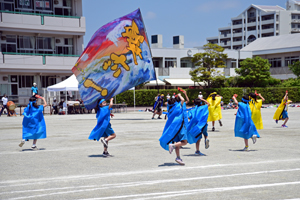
142	183
160	195
96	176
48	189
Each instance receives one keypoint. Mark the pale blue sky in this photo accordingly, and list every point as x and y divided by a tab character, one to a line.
195	19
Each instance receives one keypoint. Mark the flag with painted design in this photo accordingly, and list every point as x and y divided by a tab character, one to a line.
117	58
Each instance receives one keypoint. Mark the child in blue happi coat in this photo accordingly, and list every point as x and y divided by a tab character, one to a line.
34	126
175	135
244	126
198	124
103	127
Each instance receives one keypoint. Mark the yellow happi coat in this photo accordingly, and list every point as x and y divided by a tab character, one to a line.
255	107
278	113
214	109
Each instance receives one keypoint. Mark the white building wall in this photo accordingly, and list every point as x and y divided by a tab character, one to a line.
284	22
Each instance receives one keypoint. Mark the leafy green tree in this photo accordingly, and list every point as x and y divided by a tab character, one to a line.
207	64
295	68
254	72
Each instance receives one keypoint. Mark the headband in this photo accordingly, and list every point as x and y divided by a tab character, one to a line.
245	100
101	101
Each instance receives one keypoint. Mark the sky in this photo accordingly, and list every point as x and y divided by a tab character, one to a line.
194	19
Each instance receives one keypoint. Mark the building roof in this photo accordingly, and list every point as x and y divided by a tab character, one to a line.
269	8
274	44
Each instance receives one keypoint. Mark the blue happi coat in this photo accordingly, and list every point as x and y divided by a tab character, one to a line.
244	126
103	122
175	128
197	124
34	126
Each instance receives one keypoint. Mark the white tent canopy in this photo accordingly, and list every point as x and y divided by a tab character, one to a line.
182	82
70	84
153	83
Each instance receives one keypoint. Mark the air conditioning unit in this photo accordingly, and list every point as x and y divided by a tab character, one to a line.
56	2
57	41
3	37
4	78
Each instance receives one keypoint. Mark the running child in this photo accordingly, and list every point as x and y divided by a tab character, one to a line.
34	126
174	134
255	106
244	126
214	109
281	112
198	124
103	127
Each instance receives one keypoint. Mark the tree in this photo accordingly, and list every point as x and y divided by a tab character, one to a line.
207	64
254	72
295	68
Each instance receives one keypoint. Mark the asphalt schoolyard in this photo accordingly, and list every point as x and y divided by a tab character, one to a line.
69	166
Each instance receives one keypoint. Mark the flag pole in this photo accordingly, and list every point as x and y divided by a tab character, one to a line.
149	49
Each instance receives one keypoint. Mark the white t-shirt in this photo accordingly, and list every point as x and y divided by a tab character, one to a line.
5	100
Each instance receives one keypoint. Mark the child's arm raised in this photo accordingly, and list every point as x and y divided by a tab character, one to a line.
263	99
181	98
111	103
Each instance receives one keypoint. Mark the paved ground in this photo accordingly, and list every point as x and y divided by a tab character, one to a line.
69	166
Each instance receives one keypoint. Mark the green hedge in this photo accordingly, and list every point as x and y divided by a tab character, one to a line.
271	94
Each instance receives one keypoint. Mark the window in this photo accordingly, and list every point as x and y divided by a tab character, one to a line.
186	63
293	25
275	62
251	14
7	5
45	45
176	40
65	9
26	44
268	26
47	81
156	62
290	60
153	39
293	16
43	6
170	62
23	5
9	44
65	48
25	81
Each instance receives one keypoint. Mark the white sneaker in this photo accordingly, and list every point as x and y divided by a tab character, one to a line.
104	142
246	149
254	138
206	143
171	148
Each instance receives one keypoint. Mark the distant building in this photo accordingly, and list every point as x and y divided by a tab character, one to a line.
259	22
40	42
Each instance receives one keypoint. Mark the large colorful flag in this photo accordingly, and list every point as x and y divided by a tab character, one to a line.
117	58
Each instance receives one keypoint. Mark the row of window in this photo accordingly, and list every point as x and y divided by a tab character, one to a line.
295	25
33	44
25	81
252	18
55	7
295	16
276	62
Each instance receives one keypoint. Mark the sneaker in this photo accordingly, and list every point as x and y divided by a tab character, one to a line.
206	143
105	154
213	129
246	149
276	121
171	148
104	142
22	143
179	161
220	123
199	153
34	148
152	118
254	138
159	118
284	126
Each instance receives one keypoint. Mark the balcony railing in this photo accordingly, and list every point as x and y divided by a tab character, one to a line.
38	14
